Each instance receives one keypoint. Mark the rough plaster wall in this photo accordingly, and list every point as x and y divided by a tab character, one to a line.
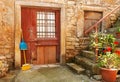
7	30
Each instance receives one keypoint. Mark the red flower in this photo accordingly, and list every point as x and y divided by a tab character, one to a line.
117	52
108	49
116	43
104	51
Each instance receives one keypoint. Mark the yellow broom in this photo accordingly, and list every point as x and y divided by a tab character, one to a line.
23	47
25	66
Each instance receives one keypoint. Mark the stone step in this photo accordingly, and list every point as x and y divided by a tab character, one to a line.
88	64
84	39
88	54
84	42
76	68
111	30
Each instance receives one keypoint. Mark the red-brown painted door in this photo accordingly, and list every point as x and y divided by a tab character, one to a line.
41	31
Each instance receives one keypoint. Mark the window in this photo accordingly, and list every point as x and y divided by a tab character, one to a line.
45	24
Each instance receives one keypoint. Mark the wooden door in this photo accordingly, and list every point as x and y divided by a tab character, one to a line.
91	17
41	31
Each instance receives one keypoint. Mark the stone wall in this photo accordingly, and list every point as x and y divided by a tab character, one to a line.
7	30
75	21
73	28
3	66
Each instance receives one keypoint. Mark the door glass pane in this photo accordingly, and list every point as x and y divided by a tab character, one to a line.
45	24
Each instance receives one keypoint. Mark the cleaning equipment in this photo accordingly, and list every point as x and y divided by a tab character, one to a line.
23	47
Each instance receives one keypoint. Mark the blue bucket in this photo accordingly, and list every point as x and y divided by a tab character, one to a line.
23	45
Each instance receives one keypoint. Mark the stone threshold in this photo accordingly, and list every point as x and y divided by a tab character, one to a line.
45	65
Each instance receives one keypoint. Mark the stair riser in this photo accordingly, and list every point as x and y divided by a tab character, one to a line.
84	42
74	67
87	65
88	54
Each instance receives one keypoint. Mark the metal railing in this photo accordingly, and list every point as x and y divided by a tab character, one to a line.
95	26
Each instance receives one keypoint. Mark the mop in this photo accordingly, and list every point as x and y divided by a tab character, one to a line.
23	47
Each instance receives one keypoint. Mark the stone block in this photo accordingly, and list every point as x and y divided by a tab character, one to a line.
70	39
3	66
10	60
2	57
68	34
8	56
113	18
97	77
76	44
68	43
71	2
70	47
7	51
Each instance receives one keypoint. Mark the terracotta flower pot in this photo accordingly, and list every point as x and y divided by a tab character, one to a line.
108	75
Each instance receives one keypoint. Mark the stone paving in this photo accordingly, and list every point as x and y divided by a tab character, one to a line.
51	74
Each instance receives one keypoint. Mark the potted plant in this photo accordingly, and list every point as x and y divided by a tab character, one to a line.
108	60
109	64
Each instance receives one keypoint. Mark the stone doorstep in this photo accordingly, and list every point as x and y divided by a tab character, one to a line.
75	67
42	66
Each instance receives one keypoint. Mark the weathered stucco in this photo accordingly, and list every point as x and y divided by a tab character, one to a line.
72	24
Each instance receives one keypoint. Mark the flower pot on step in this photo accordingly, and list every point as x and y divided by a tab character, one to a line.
108	75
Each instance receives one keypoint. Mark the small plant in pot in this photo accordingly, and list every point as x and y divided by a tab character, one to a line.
109	64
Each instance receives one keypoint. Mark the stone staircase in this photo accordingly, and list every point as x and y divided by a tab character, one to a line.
113	29
87	60
84	62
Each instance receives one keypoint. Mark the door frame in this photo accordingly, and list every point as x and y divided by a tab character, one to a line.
18	30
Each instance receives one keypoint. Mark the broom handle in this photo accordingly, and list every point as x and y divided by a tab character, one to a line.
24	56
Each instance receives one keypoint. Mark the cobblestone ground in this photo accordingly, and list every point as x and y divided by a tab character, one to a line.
51	74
